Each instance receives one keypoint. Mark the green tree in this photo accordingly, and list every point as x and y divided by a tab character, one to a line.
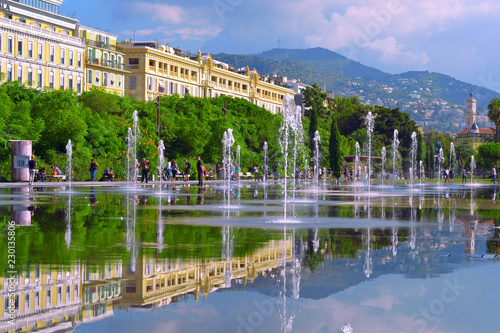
488	153
336	158
494	114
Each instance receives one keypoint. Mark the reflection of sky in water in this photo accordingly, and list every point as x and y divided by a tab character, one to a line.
389	260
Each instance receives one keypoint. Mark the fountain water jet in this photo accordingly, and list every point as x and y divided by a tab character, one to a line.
317	158
357	167
472	167
238	157
414	146
395	145
440	161
161	157
69	153
384	152
265	161
228	142
370	124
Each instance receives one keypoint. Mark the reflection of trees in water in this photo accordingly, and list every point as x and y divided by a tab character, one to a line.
312	258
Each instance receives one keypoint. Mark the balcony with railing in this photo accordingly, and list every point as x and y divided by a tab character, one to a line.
103	45
107	63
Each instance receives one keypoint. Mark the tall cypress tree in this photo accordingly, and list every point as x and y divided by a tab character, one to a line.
336	158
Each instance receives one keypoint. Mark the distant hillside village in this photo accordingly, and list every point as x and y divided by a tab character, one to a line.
41	48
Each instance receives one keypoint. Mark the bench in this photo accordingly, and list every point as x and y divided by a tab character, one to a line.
56	178
248	175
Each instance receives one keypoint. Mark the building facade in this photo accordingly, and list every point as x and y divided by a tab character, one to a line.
38	46
157	69
472	135
104	66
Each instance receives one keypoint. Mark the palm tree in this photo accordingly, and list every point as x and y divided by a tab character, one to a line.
494	114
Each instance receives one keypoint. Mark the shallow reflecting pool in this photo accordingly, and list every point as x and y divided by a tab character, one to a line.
322	258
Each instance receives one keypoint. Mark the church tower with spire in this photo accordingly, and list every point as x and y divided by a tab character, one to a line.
470	113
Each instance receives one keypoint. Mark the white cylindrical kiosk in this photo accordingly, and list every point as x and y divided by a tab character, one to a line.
20	155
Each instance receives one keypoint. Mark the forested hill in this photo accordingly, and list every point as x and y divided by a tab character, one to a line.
414	92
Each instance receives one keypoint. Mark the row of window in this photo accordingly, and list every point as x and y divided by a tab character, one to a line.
70	55
41	5
37	302
14	73
106	80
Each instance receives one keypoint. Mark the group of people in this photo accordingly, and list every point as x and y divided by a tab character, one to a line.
40	174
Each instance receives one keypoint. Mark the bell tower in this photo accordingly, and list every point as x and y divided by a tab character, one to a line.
470	113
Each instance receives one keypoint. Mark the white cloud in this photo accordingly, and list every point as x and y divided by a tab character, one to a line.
390	51
162	12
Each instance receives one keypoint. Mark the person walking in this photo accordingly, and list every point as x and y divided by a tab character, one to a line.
145	170
93	169
32	168
494	173
464	175
275	171
201	170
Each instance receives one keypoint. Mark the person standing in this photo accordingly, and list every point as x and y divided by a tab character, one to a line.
275	171
93	169
32	168
174	170
218	169
169	170
187	167
464	175
494	173
145	170
201	170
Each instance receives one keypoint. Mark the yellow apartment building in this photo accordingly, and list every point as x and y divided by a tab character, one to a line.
60	298
38	46
157	282
44	296
157	69
104	61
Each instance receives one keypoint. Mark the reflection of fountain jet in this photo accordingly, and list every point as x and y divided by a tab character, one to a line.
21	210
394	242
315	241
368	265
159	228
286	320
227	253
298	254
67	234
130	223
413	238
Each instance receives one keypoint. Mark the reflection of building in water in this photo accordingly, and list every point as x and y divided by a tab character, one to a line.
21	211
44	297
470	229
101	287
59	298
159	282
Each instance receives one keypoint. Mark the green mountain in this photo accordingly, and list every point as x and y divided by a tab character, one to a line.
429	97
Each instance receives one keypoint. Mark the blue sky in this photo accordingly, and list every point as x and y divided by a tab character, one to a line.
454	37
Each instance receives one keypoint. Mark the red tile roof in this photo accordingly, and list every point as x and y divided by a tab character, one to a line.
481	131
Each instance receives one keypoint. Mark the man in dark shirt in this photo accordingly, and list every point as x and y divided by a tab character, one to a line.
186	170
32	168
201	169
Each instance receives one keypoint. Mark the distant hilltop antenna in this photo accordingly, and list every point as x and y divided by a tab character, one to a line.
278	43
